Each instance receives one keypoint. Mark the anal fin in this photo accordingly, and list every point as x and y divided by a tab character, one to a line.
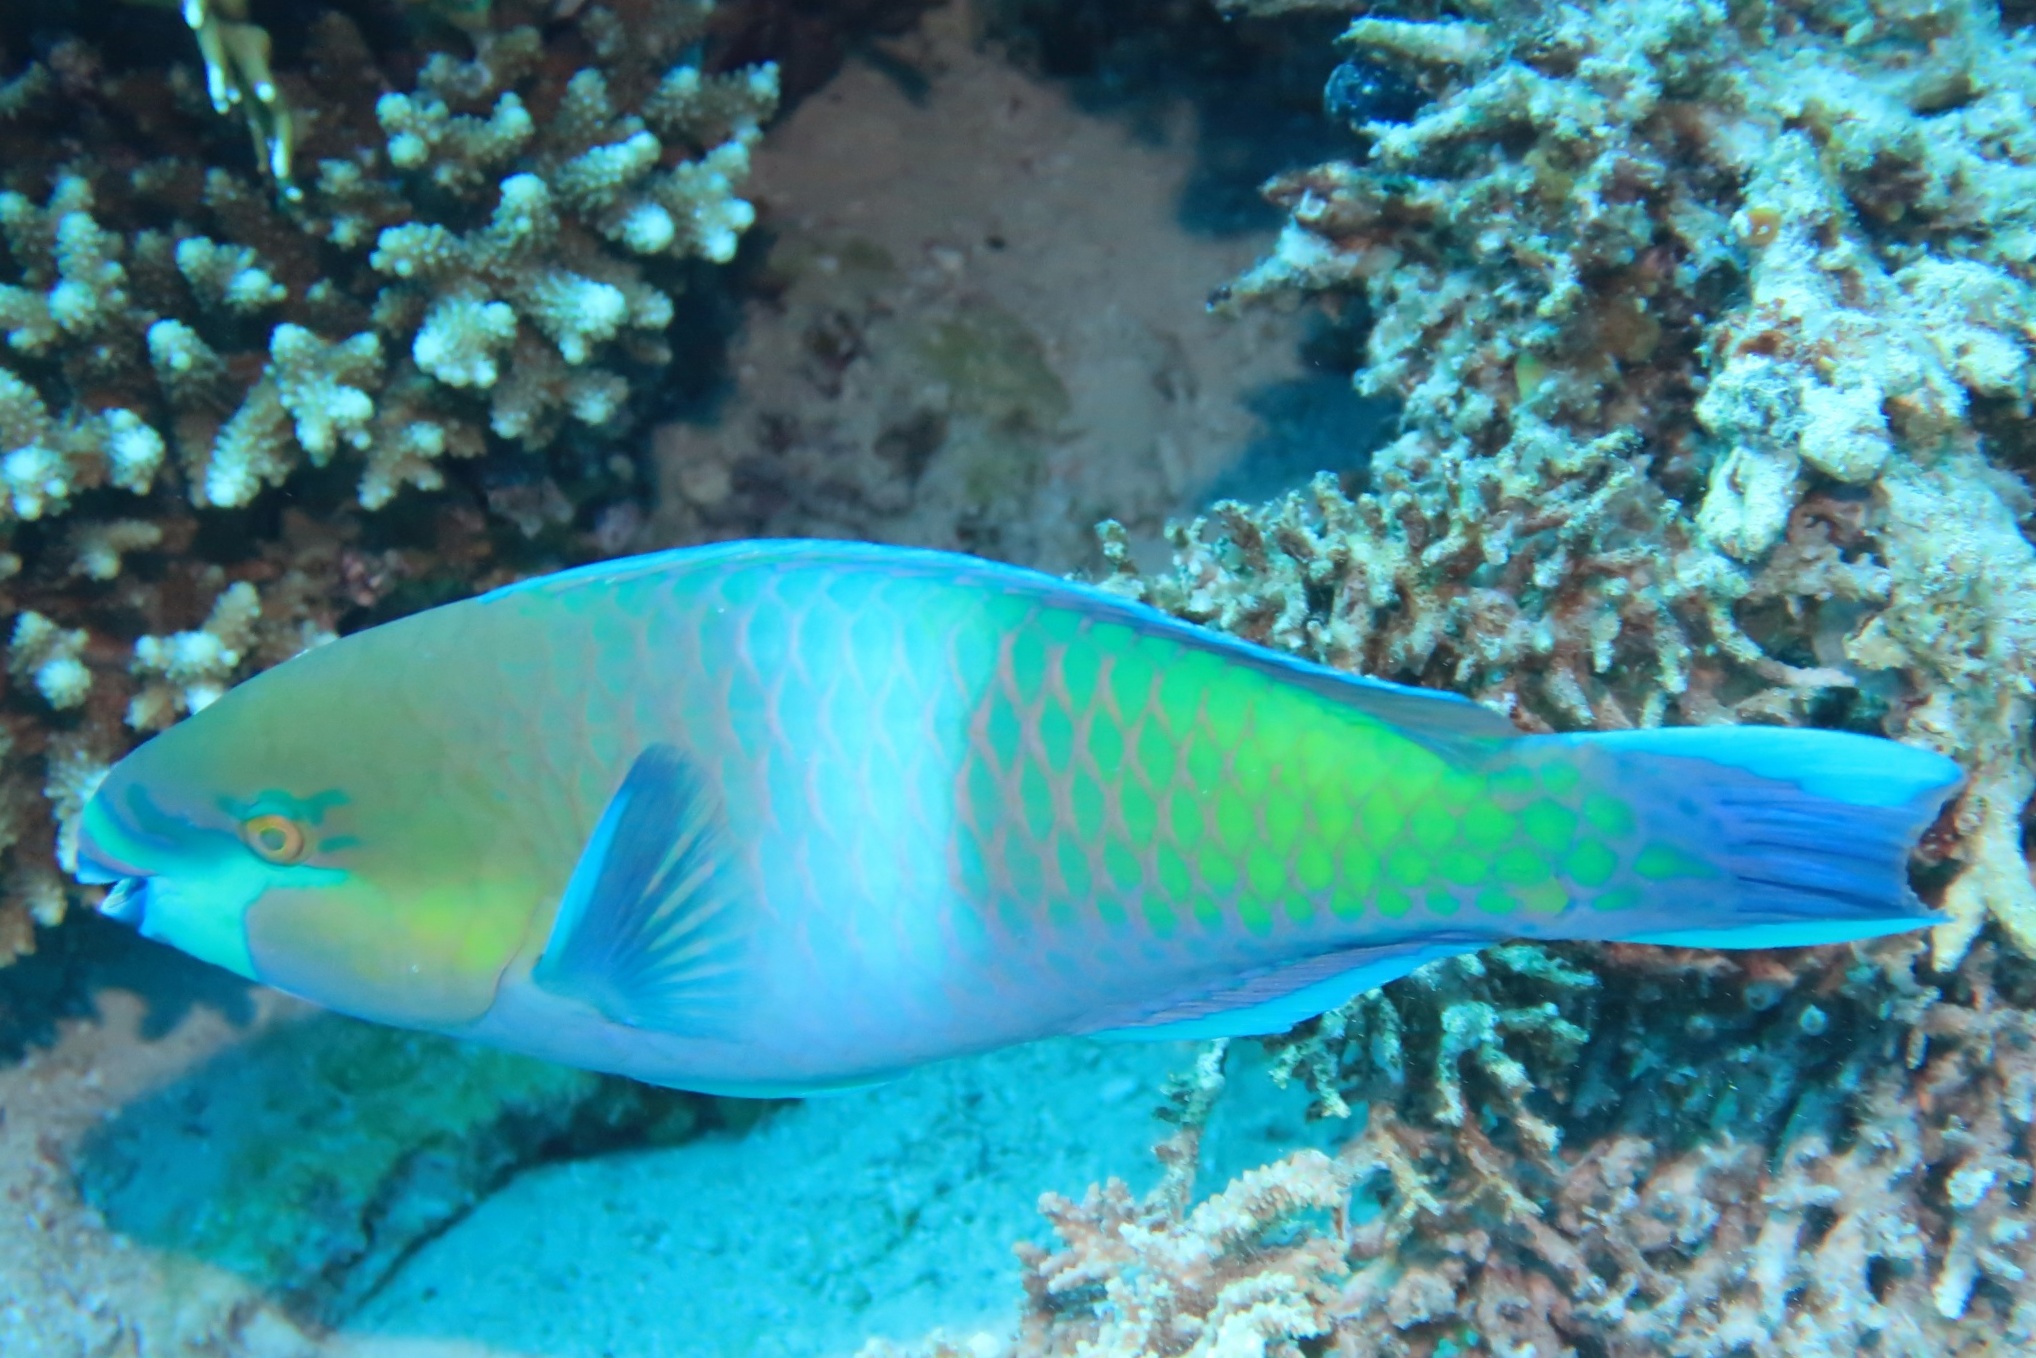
648	932
1276	1000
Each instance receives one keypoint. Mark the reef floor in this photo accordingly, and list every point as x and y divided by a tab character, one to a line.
978	322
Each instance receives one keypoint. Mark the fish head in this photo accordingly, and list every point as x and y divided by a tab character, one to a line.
299	831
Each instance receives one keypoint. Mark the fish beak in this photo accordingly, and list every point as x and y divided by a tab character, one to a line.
127	902
96	868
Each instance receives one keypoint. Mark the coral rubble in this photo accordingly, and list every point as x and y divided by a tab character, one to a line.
467	249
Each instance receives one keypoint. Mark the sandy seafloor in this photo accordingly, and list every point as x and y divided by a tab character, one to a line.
888	1212
989	199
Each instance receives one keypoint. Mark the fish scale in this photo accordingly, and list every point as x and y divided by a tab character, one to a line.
1220	787
765	818
1213	801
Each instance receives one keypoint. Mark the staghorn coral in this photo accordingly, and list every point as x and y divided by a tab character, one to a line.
480	266
187	671
478	302
1907	1235
47	656
1713	329
537	308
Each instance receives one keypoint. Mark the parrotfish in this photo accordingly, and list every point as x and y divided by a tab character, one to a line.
784	817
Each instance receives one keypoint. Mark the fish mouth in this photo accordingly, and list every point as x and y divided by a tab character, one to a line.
96	867
127	902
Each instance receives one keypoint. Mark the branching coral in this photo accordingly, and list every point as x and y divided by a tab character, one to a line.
1764	1155
1512	1020
1909	1235
1253	1270
187	671
482	304
477	268
1143	1277
1637	1150
536	307
47	656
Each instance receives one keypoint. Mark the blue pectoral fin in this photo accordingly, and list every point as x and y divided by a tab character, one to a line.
648	932
1277	1000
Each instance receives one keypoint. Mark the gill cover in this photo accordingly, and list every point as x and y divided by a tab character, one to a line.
369	912
310	893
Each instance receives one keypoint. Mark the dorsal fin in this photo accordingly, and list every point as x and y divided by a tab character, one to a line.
1431	715
647	931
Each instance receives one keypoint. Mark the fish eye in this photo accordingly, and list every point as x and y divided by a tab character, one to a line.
277	839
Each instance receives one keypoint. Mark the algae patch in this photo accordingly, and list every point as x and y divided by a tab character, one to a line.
1004	401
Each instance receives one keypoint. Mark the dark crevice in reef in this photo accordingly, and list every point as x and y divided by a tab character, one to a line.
1256	86
90	954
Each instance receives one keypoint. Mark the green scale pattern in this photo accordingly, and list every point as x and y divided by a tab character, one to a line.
1121	785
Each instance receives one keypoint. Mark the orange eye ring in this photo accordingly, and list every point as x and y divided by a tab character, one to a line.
274	839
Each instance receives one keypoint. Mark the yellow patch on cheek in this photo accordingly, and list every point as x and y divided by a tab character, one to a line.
393	948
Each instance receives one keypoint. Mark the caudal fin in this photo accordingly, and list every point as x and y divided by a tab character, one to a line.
1812	830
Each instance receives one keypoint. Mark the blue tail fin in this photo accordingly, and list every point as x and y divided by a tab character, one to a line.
1814	828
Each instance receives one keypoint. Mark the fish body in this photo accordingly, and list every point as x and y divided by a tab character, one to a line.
782	817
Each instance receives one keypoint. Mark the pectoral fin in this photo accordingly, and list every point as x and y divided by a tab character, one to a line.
648	931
